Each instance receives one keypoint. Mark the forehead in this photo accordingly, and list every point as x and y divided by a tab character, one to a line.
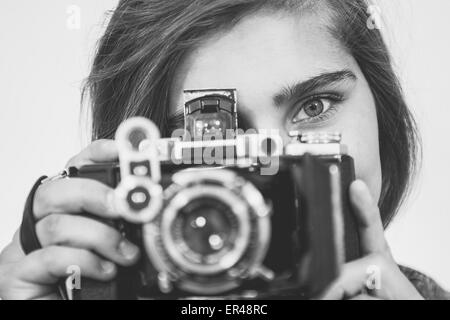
264	52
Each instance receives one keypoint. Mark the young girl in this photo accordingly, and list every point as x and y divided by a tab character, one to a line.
296	64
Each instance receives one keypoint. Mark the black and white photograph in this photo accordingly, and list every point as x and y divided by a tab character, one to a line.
224	150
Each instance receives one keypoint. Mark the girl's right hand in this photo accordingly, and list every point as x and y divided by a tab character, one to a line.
67	238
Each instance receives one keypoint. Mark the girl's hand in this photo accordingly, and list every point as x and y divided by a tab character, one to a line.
376	275
68	239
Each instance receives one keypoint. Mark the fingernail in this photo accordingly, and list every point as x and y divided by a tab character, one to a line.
362	191
128	250
107	267
365	192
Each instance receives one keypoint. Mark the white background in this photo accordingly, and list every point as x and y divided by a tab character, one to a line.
42	64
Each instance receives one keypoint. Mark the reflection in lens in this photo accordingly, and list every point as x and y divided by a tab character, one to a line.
216	242
200	222
205	229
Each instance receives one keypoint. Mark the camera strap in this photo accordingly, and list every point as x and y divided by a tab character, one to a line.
28	237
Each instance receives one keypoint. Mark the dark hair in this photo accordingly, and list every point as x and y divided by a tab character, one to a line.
146	41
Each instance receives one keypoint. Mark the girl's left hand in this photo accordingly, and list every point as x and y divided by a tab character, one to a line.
376	275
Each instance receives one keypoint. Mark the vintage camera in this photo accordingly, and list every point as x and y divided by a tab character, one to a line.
264	220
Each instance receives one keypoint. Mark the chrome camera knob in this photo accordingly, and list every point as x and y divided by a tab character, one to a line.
316	137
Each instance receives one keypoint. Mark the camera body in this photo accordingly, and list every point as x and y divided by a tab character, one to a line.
223	214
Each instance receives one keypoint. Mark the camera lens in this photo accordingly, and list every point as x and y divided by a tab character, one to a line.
213	221
205	229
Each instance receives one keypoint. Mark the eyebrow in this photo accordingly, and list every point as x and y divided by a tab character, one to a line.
302	88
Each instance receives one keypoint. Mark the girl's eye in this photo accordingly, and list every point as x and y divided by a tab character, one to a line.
313	108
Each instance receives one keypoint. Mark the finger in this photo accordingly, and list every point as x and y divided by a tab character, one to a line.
85	233
98	151
356	277
49	265
74	196
370	227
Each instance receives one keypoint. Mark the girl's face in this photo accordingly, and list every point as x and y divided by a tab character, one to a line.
290	74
